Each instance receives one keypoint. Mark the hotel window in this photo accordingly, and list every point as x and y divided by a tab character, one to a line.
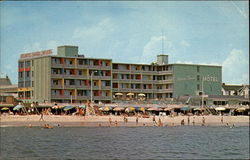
198	68
198	77
80	72
28	73
198	87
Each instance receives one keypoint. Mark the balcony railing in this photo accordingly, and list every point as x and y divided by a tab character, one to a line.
61	97
56	86
165	72
105	87
57	65
102	77
141	90
101	97
57	75
69	66
82	66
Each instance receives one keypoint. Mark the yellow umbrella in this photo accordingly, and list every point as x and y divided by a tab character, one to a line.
118	94
130	94
142	109
142	95
106	109
4	109
130	109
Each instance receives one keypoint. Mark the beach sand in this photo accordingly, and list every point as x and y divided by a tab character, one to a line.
95	121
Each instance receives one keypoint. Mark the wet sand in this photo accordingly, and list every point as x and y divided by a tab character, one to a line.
95	121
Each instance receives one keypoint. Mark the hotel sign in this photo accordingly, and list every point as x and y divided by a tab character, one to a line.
205	78
36	54
210	78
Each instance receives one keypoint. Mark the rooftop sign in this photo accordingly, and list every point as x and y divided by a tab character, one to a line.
36	54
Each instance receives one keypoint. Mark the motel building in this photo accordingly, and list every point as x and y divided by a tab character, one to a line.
68	77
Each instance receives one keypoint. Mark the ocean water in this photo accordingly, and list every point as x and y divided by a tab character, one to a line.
182	142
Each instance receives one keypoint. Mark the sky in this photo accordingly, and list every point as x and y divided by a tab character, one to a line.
193	32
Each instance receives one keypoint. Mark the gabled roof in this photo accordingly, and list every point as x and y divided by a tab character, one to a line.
231	87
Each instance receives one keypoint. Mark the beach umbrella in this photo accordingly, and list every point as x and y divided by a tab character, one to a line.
130	94
68	108
142	109
185	108
241	109
118	109
167	109
107	109
82	106
130	109
220	108
197	109
141	95
4	109
152	109
18	107
118	94
55	107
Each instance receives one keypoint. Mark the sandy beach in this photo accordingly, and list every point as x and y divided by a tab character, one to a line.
95	121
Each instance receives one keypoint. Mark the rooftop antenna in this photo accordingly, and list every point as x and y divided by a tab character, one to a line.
162	45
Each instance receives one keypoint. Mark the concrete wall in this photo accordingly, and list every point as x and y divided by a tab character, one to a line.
68	51
41	79
186	81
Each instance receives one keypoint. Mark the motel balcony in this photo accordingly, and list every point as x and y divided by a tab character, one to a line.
102	77
82	66
61	97
101	97
105	87
57	65
55	86
69	65
165	72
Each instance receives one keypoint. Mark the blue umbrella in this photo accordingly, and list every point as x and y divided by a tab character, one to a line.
137	108
18	107
68	108
185	108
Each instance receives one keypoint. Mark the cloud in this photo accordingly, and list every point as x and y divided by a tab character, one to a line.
53	45
36	46
241	11
96	31
184	43
154	47
235	67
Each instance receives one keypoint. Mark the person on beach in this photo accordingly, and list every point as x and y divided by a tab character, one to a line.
193	121
136	120
160	123
188	120
110	120
182	122
203	121
221	119
41	118
116	123
154	119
